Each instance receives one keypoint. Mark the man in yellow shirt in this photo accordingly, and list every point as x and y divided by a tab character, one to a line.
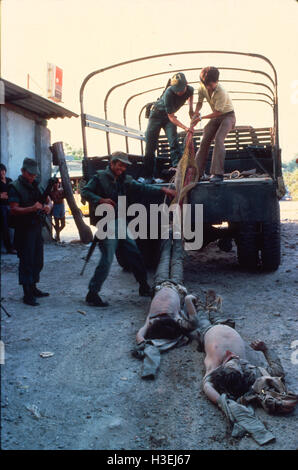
222	120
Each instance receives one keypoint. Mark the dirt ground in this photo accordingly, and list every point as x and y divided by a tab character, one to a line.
89	394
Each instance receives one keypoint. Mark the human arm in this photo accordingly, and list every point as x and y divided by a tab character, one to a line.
17	210
190	104
147	191
196	116
275	367
141	334
210	391
171	107
4	195
189	305
169	192
89	192
48	206
175	121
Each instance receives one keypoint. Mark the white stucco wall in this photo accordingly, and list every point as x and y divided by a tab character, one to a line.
18	142
22	137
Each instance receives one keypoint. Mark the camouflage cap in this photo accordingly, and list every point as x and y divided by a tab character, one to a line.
121	157
30	165
178	82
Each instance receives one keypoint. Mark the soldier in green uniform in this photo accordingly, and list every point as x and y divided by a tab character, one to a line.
104	188
24	195
162	117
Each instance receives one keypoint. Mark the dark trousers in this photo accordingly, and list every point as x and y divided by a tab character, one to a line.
155	125
29	245
131	256
5	234
170	266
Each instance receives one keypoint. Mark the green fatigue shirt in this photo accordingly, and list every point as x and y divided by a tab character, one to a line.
219	100
26	195
104	185
170	102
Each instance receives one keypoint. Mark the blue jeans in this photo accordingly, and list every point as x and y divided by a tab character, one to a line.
155	125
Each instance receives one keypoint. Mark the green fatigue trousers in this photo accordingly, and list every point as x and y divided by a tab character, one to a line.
155	125
29	245
129	252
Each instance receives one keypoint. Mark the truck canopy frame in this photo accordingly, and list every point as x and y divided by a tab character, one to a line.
264	93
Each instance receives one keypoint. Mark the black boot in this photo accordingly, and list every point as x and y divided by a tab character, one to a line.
92	298
38	293
145	290
29	298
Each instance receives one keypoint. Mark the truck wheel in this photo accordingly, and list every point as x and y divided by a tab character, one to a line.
247	246
270	251
270	242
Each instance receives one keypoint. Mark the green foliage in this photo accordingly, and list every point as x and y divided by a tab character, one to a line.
291	181
76	153
290	166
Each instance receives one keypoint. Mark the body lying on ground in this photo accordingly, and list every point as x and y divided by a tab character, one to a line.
229	372
171	316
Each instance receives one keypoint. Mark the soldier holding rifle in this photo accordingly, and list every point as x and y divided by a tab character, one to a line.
29	204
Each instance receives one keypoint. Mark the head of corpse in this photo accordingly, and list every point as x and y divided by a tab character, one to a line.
230	378
163	327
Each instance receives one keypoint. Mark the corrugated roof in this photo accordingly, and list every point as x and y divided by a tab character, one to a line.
30	101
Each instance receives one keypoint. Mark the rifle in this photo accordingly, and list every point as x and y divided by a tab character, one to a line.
4	309
42	216
89	254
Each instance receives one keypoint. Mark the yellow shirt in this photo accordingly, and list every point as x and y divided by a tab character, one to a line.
219	100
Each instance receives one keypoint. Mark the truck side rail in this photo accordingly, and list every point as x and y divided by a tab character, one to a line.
112	127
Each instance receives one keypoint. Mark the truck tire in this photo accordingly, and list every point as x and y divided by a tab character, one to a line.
270	242
247	246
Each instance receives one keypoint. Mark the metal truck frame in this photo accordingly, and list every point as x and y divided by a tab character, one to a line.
244	209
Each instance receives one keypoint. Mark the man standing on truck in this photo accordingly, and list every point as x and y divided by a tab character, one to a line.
222	120
162	116
104	188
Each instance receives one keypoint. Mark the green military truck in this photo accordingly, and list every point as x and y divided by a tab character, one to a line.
245	206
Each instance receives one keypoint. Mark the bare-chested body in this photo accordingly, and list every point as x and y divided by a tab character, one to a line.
166	302
220	342
224	347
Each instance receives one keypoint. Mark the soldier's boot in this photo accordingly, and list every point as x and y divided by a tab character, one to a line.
92	298
145	290
29	298
38	293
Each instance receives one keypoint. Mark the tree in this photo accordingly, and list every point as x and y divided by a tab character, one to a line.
76	153
291	181
290	166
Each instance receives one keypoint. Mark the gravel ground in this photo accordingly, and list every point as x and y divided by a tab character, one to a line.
89	395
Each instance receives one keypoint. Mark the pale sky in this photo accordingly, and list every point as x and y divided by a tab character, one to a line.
84	35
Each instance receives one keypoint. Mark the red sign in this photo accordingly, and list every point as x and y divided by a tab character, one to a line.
58	83
55	75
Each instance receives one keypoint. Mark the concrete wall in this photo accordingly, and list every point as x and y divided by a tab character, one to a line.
23	137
